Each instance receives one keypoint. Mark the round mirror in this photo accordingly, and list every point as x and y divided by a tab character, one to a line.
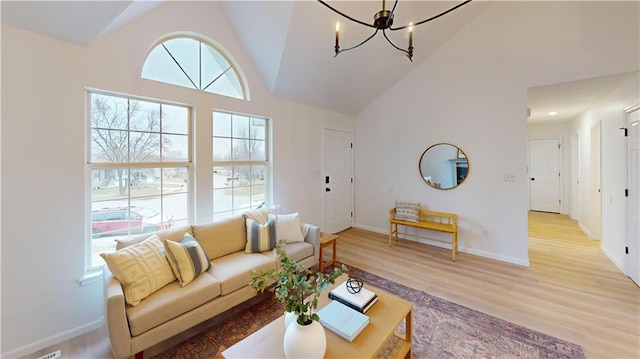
443	166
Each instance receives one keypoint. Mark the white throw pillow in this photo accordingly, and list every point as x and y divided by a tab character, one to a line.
288	227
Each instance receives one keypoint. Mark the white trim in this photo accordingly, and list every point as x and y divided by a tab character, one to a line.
584	229
54	339
476	252
612	258
91	278
498	257
210	42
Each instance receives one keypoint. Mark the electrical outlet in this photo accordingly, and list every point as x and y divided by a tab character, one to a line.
53	355
509	177
485	233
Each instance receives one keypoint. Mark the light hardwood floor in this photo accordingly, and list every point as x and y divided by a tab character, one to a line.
571	290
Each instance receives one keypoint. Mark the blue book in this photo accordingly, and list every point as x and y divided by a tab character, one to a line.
342	320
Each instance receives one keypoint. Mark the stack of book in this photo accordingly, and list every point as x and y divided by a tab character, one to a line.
361	301
342	320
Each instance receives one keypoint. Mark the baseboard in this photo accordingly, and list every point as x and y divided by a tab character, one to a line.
476	252
53	340
584	230
609	255
370	229
498	257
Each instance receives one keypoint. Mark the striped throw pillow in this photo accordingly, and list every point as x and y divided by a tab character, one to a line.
187	258
407	211
260	237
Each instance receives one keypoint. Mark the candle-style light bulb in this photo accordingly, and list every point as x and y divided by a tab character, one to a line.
337	47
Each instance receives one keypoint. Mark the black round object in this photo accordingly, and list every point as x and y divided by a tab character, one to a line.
354	284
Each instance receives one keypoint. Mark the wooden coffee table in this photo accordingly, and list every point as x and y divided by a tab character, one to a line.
385	317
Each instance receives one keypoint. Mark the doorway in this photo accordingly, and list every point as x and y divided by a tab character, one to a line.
633	196
338	180
544	174
596	182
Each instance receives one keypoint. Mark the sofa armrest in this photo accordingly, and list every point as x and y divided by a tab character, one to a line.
313	237
116	316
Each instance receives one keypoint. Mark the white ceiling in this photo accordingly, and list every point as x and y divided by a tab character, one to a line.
291	45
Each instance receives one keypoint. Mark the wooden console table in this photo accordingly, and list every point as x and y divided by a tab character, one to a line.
431	220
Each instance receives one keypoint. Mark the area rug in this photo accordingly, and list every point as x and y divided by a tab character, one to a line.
441	329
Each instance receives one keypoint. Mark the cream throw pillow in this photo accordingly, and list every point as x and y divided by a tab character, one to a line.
141	268
288	228
187	258
407	211
259	215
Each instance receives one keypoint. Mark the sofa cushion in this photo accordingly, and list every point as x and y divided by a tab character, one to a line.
187	258
259	215
260	237
175	235
234	270
170	302
222	237
141	268
288	228
296	251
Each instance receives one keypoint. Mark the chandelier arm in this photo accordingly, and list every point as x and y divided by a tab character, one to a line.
431	18
358	45
394	45
393	9
345	15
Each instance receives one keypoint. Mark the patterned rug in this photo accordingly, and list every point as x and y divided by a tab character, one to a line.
441	329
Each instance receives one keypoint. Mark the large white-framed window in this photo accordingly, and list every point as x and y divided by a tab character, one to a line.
139	168
191	62
241	170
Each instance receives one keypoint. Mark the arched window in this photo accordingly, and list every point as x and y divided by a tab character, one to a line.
189	62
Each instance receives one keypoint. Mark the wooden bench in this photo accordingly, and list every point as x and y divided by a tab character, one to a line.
431	220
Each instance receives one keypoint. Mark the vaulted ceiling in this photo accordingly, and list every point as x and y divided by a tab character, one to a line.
291	45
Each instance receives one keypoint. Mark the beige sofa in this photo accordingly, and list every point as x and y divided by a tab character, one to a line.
173	309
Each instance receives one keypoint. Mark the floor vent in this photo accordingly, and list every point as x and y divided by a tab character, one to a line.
53	355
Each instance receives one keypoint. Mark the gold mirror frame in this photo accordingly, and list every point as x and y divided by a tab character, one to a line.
443	166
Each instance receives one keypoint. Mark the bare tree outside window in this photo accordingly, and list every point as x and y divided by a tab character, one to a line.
125	130
140	168
240	163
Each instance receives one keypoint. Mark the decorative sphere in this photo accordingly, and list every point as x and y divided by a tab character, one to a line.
354	284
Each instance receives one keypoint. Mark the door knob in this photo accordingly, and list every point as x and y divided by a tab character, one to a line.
327	189
533	179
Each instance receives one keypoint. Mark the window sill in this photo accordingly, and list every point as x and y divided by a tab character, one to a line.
91	278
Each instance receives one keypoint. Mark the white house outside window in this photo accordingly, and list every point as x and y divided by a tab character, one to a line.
140	168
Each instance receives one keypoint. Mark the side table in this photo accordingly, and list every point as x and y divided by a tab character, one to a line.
327	240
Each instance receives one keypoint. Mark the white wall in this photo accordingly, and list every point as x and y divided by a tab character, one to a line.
610	112
472	93
43	163
561	131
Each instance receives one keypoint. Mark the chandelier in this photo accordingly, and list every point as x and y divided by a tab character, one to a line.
383	20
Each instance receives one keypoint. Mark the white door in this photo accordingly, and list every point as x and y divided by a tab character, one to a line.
338	180
544	175
596	179
633	201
